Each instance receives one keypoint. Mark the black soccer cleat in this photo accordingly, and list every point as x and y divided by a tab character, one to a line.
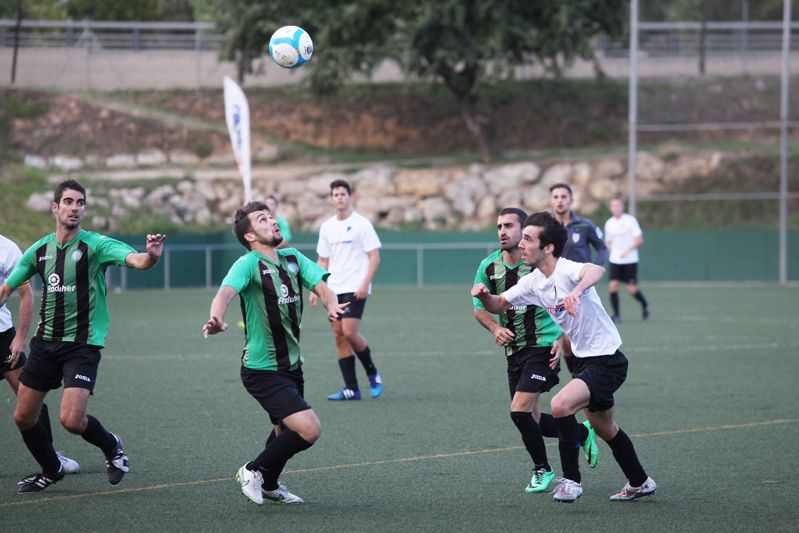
116	463
39	482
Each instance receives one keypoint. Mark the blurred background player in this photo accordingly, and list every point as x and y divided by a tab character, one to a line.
12	340
273	203
582	233
269	283
349	249
527	334
71	263
623	237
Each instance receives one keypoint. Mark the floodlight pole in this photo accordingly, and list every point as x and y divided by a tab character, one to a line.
632	126
786	50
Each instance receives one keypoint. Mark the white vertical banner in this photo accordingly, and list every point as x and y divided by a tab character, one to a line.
237	116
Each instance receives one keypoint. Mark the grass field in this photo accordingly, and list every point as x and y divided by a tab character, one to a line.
710	402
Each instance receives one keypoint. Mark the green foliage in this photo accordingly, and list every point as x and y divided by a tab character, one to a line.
177	10
14	105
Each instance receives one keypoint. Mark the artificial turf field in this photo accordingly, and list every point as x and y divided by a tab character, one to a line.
710	402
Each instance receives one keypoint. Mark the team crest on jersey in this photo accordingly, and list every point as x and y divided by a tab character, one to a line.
284	291
575	237
293	268
53	279
76	255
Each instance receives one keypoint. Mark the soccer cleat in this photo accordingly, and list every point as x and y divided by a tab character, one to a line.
590	449
568	491
345	394
39	482
251	483
116	463
540	481
70	466
631	493
645	312
376	385
615	318
281	495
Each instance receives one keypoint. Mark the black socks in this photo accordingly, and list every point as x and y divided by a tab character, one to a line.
532	438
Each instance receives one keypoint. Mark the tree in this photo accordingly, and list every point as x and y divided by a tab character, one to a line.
460	43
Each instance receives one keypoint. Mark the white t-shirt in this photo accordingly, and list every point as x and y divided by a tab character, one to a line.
621	233
346	243
10	254
591	331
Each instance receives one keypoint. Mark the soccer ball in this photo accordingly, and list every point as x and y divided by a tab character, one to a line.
291	47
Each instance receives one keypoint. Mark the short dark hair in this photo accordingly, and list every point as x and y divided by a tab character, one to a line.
273	197
520	213
562	186
241	221
552	231
335	184
63	186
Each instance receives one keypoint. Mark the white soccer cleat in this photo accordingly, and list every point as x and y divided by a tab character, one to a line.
631	493
251	483
568	491
281	495
70	466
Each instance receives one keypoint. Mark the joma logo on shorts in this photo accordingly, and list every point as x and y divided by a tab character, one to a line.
83	378
539	378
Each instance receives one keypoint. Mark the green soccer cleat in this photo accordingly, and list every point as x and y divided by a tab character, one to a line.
540	481
590	449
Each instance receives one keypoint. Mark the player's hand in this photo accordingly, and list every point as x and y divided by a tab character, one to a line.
155	245
503	336
571	301
214	326
555	353
335	310
361	293
17	348
313	300
480	291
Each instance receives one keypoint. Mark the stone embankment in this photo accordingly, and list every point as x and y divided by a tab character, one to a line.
456	197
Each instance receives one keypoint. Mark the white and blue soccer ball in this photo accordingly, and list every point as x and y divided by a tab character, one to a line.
291	47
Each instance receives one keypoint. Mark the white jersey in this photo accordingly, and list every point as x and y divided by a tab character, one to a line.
10	254
591	331
620	234
346	243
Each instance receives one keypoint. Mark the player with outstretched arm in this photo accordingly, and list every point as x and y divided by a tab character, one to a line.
566	290
269	283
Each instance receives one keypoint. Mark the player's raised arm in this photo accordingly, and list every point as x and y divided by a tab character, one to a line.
590	274
216	323
148	259
492	303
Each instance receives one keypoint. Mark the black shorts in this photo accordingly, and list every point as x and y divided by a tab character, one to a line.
5	350
279	393
356	307
50	362
626	273
604	375
528	370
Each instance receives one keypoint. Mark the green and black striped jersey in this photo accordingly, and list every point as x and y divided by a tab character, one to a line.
531	325
271	305
73	304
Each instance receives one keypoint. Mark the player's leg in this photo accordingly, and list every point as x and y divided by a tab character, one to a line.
352	323
613	290
634	291
37	440
80	375
346	364
570	399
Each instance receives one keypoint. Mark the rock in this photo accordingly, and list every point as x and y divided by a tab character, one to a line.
425	183
648	167
121	161
183	158
66	163
557	173
510	176
35	161
437	212
151	158
39	202
535	199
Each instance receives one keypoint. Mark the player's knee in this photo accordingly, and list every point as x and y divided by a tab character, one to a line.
560	407
311	433
23	420
73	424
